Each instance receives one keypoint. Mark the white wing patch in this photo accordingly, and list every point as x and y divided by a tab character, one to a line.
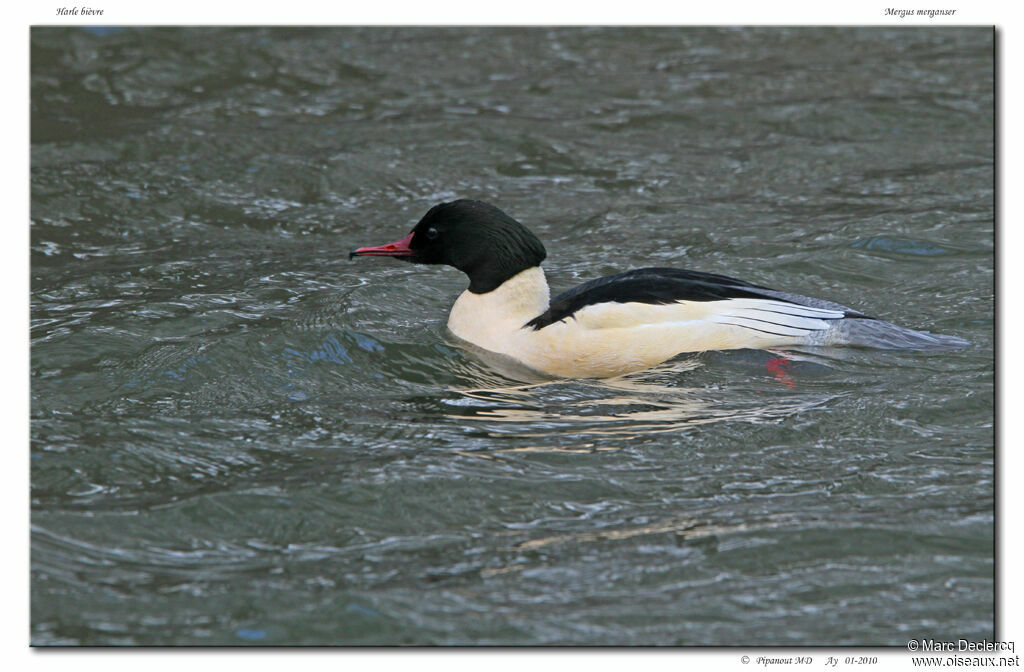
776	318
767	316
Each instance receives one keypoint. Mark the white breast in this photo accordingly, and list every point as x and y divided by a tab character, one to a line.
493	320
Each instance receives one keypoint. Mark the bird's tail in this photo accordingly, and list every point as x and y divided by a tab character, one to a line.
872	333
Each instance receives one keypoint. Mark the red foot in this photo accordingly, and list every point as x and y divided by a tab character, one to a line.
779	366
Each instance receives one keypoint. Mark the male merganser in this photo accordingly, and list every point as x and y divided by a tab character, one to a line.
619	323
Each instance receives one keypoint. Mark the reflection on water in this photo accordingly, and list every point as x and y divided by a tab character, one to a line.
635	404
682	528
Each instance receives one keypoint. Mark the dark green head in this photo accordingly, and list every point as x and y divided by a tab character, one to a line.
475	237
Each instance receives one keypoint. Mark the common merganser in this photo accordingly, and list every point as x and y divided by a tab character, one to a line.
619	323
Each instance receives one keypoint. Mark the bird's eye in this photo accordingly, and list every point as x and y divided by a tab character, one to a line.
431	233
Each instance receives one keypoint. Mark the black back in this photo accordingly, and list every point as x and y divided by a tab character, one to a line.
666	285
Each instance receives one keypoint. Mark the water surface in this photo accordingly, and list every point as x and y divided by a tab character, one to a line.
239	437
